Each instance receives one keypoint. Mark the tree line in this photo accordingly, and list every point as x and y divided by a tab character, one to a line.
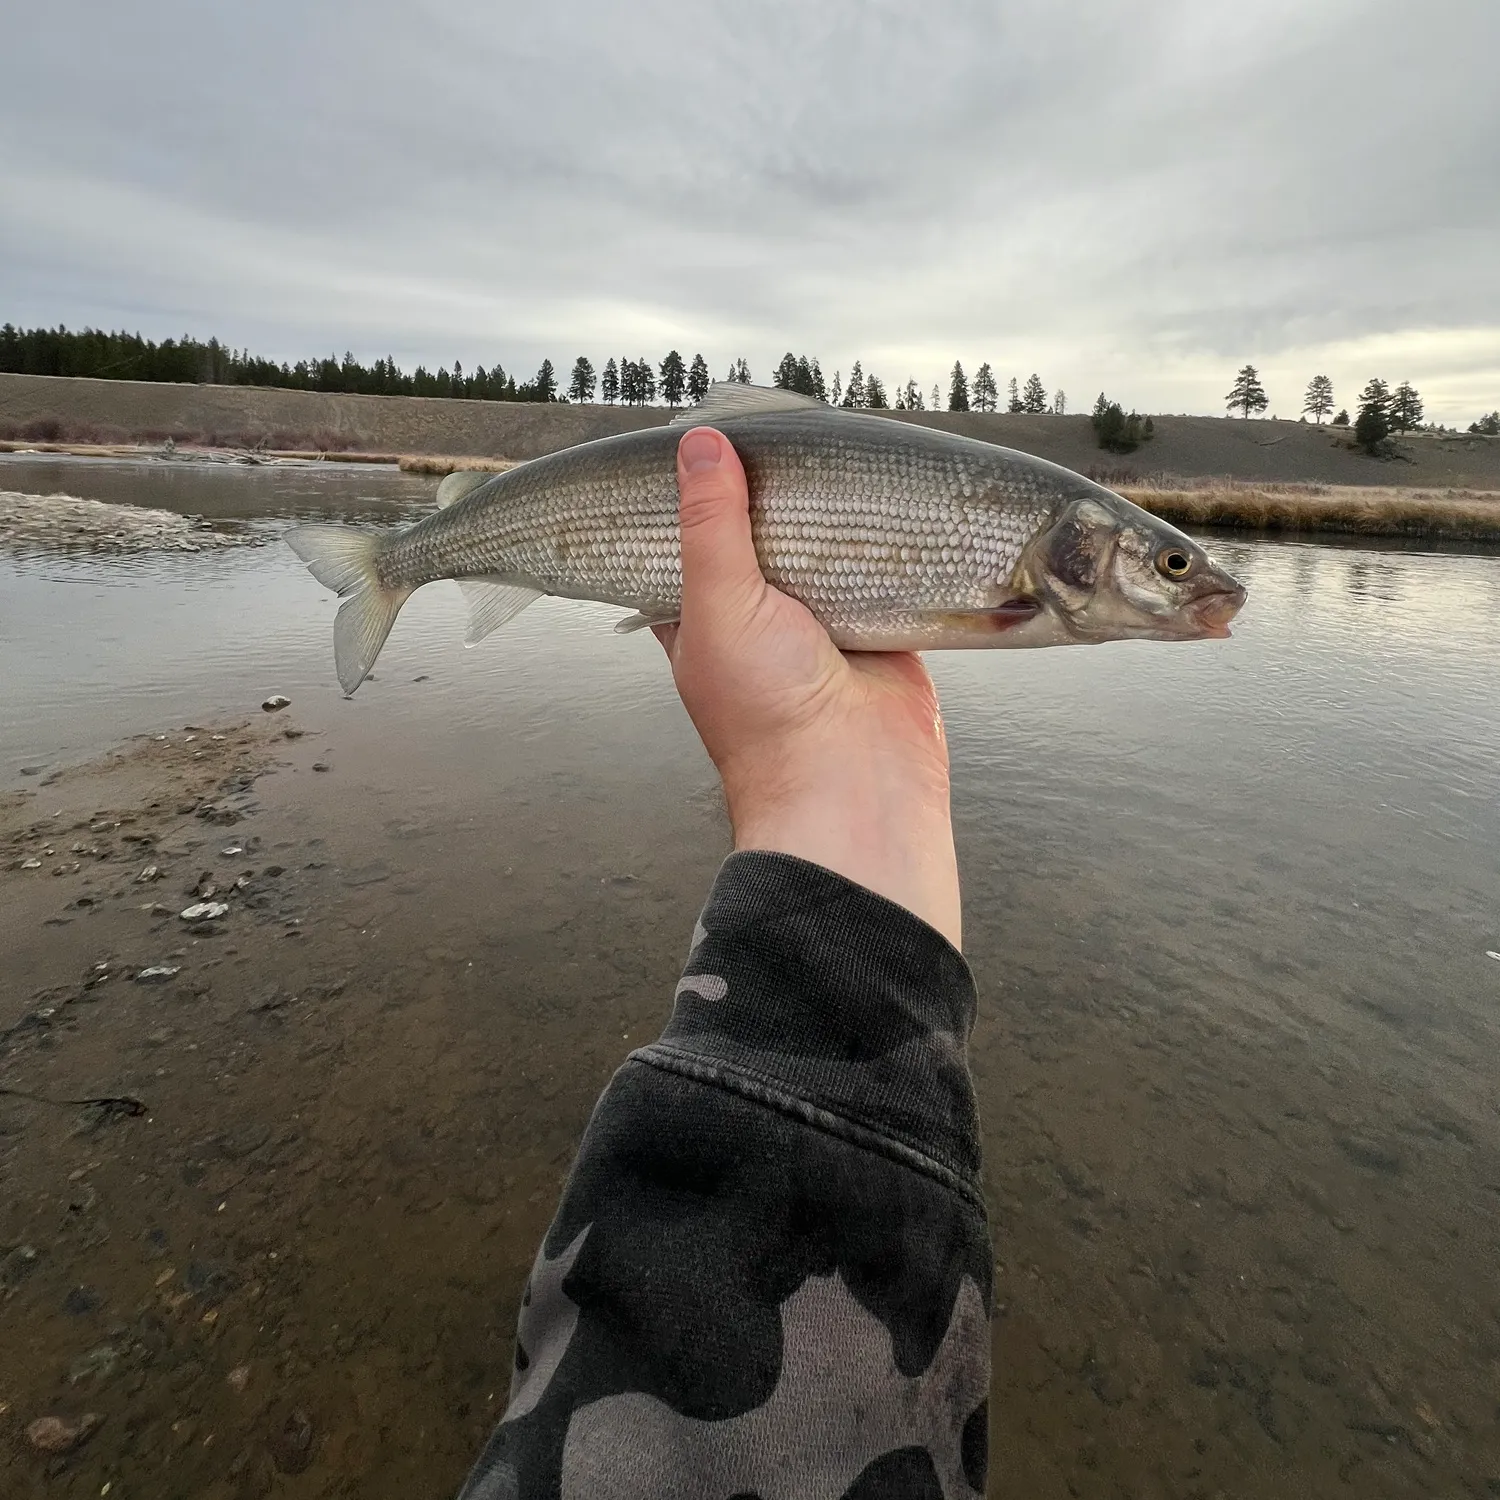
1380	411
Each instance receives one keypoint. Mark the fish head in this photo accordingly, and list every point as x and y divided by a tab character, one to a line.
1106	570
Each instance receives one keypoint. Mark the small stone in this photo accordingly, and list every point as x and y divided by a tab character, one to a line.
36	864
275	702
230	850
1490	953
81	1301
293	734
158	974
204	911
318	765
32	770
57	1435
239	1378
291	1442
150	873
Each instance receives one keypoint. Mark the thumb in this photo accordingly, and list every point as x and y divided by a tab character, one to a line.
720	571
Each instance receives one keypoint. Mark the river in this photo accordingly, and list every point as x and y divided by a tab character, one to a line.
1233	910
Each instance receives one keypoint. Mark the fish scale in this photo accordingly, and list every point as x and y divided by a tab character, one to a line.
859	531
894	535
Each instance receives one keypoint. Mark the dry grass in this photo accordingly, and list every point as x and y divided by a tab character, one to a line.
437	463
1457	515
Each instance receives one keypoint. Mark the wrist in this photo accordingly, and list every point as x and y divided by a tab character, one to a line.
875	822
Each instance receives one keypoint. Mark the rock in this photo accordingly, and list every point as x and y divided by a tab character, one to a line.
318	765
239	1378
81	1301
1490	953
58	1435
16	1266
36	864
291	1442
275	702
98	1363
150	873
158	974
293	734
32	770
230	850
204	911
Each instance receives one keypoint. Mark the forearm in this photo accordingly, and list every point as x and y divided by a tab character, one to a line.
771	1257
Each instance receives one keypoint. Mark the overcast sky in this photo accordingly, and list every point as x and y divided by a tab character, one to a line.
1130	195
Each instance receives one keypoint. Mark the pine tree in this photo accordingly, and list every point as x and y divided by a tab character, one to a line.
609	385
985	395
1034	398
1014	405
958	389
875	397
1060	405
912	396
855	395
1373	424
836	391
1248	394
1342	420
818	388
646	381
1406	408
697	381
1319	398
937	399
1487	426
581	385
673	379
786	372
742	372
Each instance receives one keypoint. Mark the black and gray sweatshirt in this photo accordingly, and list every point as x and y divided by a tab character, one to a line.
770	1272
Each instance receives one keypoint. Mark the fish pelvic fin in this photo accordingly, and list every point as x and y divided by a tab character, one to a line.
493	601
342	558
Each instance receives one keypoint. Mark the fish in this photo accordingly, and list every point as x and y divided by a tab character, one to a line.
896	537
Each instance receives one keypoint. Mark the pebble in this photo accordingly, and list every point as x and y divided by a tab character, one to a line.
150	873
158	974
57	1435
36	864
291	1442
1490	953
318	765
274	702
293	734
204	911
239	1378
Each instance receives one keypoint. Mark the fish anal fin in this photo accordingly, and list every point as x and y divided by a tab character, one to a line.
493	601
728	398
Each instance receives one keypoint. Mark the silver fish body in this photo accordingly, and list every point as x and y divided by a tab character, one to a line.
895	536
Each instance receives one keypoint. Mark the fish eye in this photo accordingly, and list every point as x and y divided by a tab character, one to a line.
1174	562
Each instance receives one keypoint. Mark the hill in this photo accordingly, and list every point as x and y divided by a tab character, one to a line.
79	410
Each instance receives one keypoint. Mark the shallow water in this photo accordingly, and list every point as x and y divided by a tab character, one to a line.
1228	906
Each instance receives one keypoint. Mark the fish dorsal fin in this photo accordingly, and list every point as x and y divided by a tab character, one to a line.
458	484
728	398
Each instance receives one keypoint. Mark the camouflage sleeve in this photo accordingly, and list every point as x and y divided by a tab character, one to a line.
770	1272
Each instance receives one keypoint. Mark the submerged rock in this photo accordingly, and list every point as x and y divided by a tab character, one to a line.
275	702
59	1435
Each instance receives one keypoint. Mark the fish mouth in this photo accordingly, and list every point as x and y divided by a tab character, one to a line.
1212	613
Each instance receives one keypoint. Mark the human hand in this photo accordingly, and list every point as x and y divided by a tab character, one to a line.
839	759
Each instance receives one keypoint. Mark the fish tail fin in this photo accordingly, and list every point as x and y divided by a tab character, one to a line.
342	558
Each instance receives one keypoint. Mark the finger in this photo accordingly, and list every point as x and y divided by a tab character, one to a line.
721	575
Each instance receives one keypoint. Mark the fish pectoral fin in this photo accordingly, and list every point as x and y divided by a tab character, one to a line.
491	603
633	623
728	398
1003	616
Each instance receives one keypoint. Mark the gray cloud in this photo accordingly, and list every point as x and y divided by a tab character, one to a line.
1137	196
